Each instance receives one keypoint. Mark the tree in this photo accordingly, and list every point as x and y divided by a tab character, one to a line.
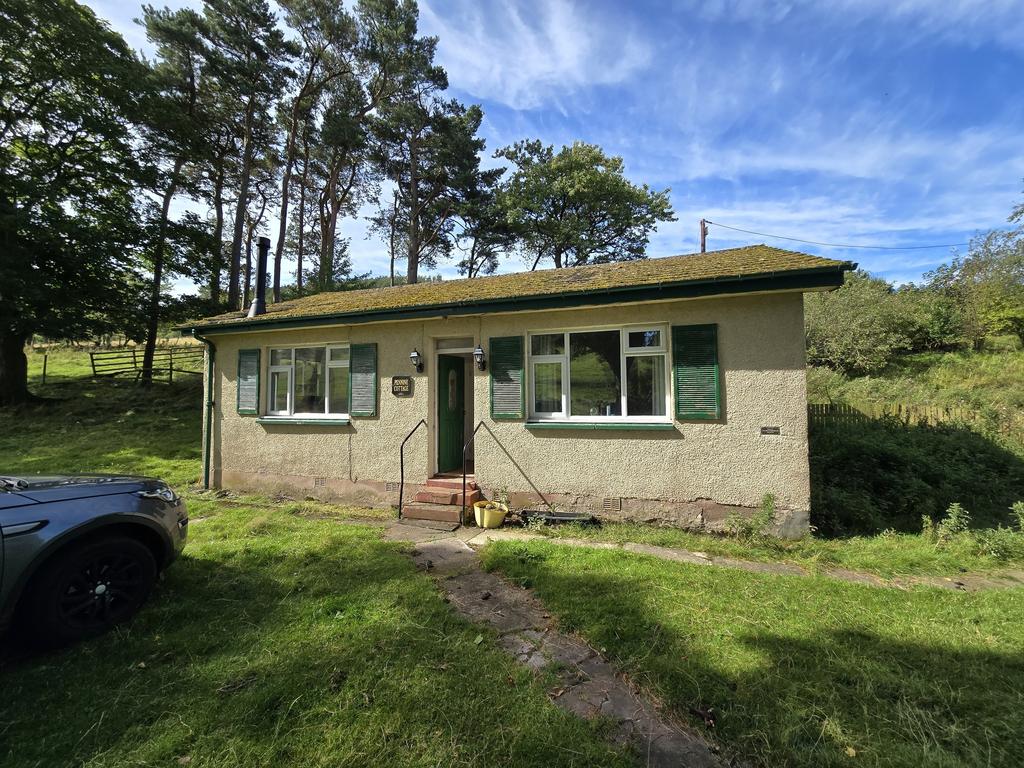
856	329
69	89
428	148
988	283
577	207
485	233
172	139
328	37
248	55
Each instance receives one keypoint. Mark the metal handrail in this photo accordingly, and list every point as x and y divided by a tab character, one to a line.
401	464
462	520
465	448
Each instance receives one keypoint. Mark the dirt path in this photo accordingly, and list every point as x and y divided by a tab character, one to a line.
588	685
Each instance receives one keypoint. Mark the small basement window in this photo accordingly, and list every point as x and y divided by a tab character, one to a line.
603	374
308	381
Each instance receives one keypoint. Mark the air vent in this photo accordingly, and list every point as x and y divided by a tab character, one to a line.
319	482
390	486
612	504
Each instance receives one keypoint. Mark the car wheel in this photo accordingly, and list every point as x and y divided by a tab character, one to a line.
87	589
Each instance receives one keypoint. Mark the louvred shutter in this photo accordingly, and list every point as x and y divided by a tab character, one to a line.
508	388
695	374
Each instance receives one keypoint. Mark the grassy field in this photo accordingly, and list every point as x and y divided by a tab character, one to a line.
291	634
988	382
889	555
801	671
283	640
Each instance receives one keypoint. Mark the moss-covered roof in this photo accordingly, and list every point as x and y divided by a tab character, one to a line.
715	271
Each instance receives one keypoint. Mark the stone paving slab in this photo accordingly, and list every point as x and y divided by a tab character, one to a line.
588	685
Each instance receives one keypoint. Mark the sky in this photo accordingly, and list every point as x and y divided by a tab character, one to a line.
868	122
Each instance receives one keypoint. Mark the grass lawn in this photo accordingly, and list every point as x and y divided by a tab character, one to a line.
282	640
287	637
888	555
802	671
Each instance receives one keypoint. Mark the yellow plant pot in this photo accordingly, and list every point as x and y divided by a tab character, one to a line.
489	514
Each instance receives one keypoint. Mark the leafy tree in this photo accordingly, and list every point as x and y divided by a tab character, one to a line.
248	57
485	233
172	139
428	148
856	329
69	95
577	207
988	284
328	36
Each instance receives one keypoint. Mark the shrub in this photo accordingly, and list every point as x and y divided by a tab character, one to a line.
856	329
881	473
955	523
757	525
1017	510
1000	543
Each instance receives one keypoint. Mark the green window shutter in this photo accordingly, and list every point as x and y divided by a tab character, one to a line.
362	383
248	382
508	379
695	375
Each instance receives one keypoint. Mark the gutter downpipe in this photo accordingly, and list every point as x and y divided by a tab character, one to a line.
211	352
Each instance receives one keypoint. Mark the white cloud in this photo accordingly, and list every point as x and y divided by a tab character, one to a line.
533	53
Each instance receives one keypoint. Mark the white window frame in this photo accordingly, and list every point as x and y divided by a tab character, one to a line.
625	351
290	370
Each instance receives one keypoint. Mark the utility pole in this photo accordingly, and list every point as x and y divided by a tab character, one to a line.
703	235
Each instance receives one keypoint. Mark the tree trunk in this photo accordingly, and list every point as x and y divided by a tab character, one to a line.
13	369
159	248
242	206
248	269
218	239
302	214
413	246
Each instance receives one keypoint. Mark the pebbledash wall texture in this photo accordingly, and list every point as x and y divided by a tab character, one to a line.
692	475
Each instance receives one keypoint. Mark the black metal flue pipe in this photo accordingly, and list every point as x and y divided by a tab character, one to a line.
259	301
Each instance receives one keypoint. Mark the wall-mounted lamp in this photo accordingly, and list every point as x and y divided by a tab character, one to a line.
478	356
416	360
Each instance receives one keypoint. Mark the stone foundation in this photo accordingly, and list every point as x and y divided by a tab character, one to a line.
697	515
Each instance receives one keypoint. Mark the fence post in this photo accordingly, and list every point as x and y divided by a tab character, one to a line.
45	355
170	366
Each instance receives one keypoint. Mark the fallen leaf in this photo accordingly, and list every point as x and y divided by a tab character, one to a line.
851	752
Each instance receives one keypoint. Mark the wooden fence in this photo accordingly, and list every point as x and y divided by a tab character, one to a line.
820	414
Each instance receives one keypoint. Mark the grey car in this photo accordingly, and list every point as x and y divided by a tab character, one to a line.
80	553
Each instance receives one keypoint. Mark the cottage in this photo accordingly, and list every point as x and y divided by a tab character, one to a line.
668	389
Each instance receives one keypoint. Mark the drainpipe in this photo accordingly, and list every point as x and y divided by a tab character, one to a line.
211	352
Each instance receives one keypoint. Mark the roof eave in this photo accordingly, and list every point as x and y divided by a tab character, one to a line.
827	277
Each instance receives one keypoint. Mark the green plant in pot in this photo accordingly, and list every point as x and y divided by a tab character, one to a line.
491	513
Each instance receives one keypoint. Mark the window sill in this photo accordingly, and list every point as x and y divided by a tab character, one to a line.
632	426
294	420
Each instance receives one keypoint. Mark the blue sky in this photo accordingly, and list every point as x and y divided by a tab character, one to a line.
877	122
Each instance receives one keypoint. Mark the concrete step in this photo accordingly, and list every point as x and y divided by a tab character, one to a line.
454	483
418	510
435	495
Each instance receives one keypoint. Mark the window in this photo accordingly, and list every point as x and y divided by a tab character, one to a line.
308	381
617	373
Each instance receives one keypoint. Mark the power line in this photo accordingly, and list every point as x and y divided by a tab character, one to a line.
839	245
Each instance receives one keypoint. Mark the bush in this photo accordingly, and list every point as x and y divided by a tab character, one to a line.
881	473
856	329
756	526
955	523
1000	543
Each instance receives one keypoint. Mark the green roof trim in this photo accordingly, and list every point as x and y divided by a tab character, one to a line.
739	270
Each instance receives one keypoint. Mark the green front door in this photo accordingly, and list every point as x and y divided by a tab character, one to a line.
451	409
